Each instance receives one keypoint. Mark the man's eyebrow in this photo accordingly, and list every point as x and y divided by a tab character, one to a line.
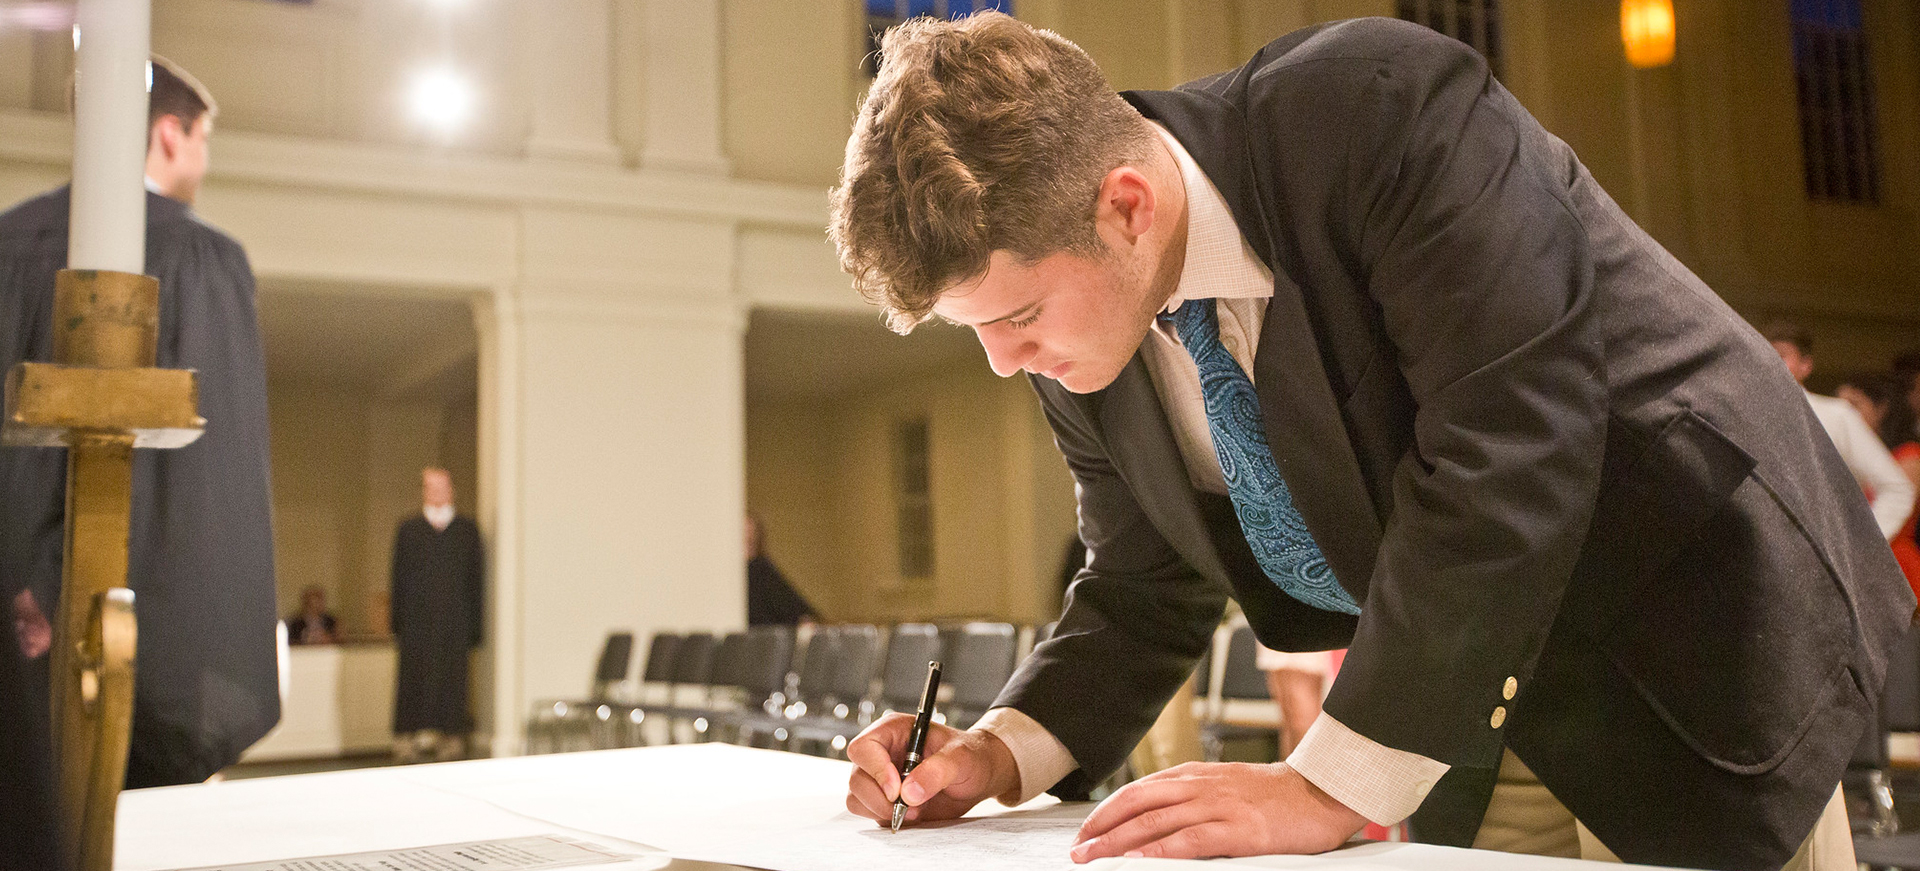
1014	315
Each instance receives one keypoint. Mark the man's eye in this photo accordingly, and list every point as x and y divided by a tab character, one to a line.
1026	321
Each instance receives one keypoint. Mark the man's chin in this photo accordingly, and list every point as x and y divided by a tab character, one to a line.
1084	381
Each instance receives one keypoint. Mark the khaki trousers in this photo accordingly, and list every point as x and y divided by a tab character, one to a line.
1525	818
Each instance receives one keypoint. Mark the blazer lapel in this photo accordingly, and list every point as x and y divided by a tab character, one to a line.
1149	461
1297	406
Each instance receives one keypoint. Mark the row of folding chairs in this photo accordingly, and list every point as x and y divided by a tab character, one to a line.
771	687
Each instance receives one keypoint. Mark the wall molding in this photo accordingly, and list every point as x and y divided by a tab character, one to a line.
259	158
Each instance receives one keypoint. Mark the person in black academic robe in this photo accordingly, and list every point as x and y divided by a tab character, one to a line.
201	545
439	567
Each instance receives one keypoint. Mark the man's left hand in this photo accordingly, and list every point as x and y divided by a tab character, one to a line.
1202	810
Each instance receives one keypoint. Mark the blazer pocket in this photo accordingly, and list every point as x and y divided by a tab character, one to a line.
1734	629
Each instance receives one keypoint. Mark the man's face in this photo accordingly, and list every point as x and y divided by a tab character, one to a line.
1068	317
1801	365
436	489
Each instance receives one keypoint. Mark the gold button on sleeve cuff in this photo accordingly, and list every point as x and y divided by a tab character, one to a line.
1499	717
1513	686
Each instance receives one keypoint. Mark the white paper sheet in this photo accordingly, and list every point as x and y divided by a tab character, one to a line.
679	799
538	853
1008	842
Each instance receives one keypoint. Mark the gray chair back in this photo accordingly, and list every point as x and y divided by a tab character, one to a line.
909	648
693	661
979	659
660	654
616	658
770	659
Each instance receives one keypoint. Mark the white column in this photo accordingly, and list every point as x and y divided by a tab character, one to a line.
572	80
109	221
496	321
621	428
683	87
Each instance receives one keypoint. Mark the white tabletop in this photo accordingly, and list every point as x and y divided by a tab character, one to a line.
708	801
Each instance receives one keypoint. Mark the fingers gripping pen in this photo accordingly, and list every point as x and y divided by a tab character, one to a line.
917	740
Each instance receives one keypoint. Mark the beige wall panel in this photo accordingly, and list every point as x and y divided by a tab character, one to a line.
790	486
402	438
1812	257
16	68
459	453
52	71
576	250
984	554
1201	32
629	77
1895	55
1127	38
272	67
790	85
630	484
1589	104
1530	68
305	233
793	268
20	181
317	450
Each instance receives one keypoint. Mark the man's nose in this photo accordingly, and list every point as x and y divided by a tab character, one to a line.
1005	353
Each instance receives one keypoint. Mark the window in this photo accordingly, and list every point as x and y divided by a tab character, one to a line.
1836	101
913	497
882	14
1474	22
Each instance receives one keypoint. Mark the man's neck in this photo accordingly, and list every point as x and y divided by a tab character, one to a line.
1171	190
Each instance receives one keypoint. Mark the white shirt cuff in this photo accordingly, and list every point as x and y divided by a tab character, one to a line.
1376	781
1040	758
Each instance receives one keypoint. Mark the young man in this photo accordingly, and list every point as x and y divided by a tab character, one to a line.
1346	334
200	555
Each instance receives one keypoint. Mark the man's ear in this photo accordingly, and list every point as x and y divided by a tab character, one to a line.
166	137
1127	204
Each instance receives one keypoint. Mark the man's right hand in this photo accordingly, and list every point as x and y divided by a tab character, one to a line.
960	769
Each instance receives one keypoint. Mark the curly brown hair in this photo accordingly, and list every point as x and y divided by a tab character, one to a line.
979	135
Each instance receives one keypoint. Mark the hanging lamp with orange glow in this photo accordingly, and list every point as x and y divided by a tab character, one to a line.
1646	27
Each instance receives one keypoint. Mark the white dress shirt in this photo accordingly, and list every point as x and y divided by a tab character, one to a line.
1867	458
1378	782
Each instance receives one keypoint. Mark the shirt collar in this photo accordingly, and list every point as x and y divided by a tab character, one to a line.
1219	263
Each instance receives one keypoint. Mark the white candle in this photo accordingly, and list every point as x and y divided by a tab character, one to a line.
109	222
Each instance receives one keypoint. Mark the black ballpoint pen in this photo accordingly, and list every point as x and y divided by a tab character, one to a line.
917	740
